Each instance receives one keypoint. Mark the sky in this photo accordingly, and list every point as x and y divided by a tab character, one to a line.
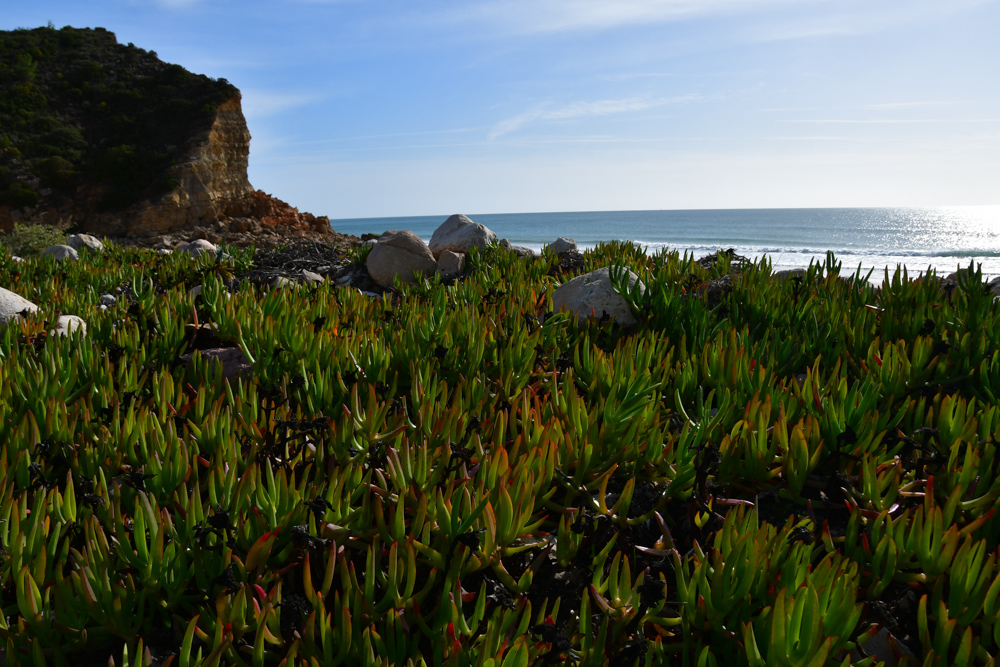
367	108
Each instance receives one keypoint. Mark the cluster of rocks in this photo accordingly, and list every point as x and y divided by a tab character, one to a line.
402	255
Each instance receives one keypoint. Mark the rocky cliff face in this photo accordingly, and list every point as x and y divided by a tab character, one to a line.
116	142
211	185
213	198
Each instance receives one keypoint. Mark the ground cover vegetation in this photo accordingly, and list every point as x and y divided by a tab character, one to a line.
79	109
755	474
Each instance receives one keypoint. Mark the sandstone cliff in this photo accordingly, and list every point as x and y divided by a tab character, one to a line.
110	139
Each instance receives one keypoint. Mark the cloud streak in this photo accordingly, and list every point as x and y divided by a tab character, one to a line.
580	110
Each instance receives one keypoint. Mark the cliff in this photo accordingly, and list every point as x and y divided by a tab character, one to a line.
113	141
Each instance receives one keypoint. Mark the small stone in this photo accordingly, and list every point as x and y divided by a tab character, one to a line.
234	362
197	248
282	281
370	243
107	300
311	277
60	252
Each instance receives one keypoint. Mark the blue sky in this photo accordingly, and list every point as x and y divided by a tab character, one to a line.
362	108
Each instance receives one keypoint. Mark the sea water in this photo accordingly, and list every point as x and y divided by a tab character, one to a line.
943	238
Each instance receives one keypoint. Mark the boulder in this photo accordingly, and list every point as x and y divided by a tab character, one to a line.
12	305
68	324
789	274
458	233
399	253
451	264
519	250
369	243
561	245
994	287
234	362
84	241
60	252
594	295
197	248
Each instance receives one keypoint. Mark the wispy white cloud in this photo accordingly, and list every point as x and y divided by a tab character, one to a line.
550	16
581	110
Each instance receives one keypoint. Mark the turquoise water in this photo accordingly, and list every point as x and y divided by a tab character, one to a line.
918	238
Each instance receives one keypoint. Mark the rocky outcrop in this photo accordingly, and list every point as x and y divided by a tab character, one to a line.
212	184
212	199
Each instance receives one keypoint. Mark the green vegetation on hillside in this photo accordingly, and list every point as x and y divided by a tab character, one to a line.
759	473
77	108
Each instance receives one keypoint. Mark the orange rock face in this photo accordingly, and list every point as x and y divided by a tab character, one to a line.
213	200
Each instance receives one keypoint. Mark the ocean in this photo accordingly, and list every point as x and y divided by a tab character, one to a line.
942	238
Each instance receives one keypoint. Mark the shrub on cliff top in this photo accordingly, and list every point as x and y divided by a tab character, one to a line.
26	240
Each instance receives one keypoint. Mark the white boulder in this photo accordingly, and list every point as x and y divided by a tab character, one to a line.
399	253
60	252
561	245
68	324
84	241
594	295
12	305
458	233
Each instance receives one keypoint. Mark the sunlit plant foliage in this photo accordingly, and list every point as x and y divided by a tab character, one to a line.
761	472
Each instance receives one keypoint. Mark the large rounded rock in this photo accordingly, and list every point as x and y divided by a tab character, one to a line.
594	295
12	305
60	252
67	324
399	253
561	245
458	233
81	241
